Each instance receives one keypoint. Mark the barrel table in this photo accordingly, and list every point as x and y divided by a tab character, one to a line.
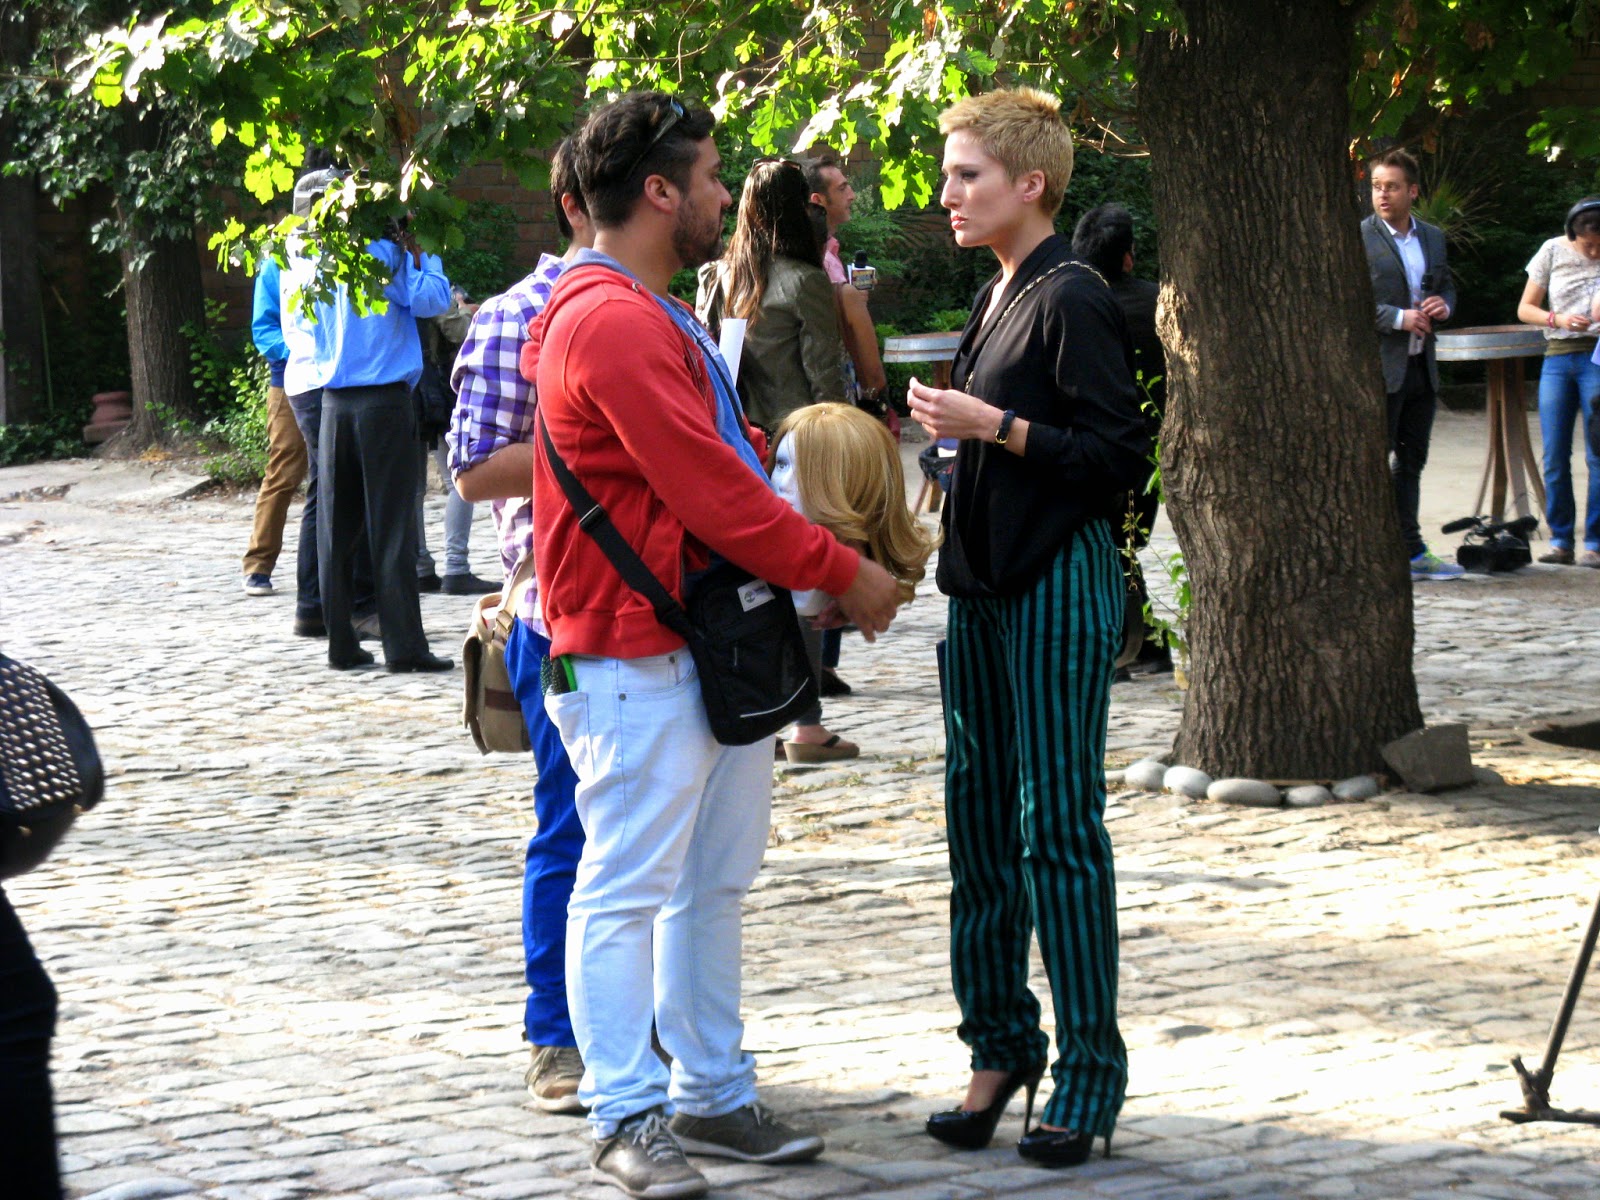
1510	472
940	350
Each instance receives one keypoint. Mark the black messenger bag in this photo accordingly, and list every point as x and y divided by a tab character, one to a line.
742	632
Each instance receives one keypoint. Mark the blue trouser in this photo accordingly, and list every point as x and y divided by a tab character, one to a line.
1027	684
553	851
1569	385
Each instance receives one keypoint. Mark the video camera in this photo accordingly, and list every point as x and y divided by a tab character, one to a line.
1493	545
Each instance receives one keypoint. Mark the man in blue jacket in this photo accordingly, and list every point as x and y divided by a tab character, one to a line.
366	366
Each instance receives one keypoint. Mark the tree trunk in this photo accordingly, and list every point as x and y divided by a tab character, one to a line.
1274	451
22	360
163	293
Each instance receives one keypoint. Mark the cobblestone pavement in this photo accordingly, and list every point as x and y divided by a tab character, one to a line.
288	953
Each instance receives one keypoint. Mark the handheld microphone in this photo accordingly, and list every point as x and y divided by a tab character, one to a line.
861	276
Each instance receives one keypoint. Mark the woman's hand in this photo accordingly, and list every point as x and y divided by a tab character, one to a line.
947	413
1576	322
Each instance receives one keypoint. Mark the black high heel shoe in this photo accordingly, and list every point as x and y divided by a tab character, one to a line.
1058	1147
974	1130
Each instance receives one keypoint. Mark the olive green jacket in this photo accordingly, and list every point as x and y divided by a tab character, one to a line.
793	355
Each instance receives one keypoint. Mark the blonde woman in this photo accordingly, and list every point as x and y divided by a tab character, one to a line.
1051	440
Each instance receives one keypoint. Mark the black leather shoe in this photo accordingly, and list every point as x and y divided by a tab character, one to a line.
974	1130
428	583
361	658
1058	1147
466	585
310	627
832	685
423	662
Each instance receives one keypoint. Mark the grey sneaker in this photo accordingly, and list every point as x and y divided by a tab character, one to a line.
750	1134
644	1159
553	1079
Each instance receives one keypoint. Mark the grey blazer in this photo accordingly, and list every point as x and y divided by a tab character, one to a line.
1393	293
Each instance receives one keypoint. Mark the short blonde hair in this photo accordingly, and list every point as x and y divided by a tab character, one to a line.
1022	130
851	483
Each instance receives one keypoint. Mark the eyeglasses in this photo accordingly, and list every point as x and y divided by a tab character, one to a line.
675	115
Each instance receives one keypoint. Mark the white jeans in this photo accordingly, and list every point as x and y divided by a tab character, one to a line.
675	827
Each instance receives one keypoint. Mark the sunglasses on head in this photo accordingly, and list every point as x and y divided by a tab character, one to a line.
771	161
675	113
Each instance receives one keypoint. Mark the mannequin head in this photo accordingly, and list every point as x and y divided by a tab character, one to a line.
846	469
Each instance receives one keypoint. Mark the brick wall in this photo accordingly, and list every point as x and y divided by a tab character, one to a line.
1579	86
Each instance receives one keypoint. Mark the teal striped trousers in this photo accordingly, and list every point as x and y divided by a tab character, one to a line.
1028	689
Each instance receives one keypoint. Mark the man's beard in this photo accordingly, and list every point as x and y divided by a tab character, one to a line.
695	243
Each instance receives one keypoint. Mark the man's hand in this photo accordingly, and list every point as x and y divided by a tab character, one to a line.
1435	309
872	598
1416	320
947	413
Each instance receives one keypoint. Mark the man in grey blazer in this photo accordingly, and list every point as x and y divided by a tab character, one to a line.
1415	291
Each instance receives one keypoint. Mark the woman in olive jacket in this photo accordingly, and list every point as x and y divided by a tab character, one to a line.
772	277
793	354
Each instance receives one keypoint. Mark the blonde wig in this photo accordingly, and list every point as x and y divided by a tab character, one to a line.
848	470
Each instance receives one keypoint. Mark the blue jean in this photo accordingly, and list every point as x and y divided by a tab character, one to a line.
675	826
1569	384
553	851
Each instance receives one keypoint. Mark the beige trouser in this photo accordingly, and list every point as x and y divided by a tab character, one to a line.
286	467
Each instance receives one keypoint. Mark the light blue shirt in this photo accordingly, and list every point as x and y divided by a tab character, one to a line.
337	348
1409	244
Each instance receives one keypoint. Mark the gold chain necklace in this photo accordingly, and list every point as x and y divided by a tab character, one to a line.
1017	299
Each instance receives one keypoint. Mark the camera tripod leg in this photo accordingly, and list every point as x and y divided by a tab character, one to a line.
1536	1085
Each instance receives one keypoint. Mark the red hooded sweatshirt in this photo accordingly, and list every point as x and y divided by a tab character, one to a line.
632	412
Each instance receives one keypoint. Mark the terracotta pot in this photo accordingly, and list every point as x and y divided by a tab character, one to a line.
112	412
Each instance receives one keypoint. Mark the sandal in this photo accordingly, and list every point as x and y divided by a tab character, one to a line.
834	749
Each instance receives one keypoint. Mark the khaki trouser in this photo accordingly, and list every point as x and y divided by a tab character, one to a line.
286	468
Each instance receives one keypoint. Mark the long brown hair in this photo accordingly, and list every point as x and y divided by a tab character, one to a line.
773	222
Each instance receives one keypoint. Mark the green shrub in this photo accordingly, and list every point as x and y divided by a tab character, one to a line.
230	382
58	436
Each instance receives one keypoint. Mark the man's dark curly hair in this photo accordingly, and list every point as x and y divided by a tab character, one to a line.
623	144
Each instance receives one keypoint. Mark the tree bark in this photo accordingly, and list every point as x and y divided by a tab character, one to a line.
163	293
1274	454
22	360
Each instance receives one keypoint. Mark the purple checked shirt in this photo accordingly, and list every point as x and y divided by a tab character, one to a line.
494	407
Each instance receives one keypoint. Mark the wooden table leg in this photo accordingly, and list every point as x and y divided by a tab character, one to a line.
1493	480
1530	463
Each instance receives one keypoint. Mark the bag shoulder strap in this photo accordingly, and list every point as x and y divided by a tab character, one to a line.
596	522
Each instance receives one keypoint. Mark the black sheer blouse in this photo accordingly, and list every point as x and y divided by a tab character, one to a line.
1057	352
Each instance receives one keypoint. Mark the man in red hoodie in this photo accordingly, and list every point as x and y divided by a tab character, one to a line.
637	403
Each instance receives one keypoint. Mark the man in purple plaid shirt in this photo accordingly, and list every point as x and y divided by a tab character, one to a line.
491	458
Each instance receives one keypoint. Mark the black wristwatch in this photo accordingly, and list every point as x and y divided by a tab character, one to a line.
1001	434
